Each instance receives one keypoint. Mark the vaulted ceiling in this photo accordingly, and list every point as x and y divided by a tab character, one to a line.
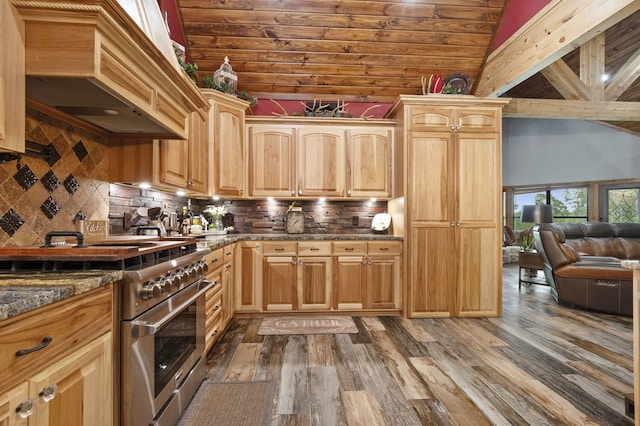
372	51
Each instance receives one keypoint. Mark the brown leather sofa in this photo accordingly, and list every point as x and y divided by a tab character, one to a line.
582	263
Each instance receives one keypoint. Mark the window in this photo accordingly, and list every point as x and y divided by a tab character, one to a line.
620	203
569	205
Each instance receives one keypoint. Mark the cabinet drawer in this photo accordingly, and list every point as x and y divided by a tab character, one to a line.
68	324
314	248
213	307
384	247
228	253
288	248
349	247
215	259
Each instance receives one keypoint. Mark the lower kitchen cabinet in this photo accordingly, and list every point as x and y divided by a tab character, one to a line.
228	285
69	382
213	310
320	276
248	262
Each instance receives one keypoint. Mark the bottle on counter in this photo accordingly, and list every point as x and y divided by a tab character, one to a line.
185	219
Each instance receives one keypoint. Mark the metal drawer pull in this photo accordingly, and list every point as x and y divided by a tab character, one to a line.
348	249
48	393
279	249
314	249
44	344
384	248
25	409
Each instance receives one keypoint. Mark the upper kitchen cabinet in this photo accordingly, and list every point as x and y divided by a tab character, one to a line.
12	81
183	163
226	133
165	164
112	68
295	157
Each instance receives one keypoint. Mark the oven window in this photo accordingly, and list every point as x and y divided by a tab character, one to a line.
174	343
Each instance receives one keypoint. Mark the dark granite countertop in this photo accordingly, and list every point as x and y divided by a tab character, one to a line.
24	292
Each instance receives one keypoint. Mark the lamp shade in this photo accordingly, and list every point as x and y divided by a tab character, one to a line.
539	213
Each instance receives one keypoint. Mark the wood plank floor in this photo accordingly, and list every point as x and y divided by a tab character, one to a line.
541	363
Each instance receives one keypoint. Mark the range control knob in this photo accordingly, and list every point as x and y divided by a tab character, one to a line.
199	268
184	276
193	272
150	290
173	280
205	266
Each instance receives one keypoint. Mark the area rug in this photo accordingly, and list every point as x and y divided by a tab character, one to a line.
231	403
307	325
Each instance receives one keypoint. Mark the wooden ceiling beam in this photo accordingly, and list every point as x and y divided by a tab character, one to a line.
624	78
572	109
556	30
592	60
566	82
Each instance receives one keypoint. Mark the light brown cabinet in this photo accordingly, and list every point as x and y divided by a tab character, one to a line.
367	275
12	79
68	382
248	282
226	131
228	284
183	163
296	276
309	159
452	214
165	164
213	298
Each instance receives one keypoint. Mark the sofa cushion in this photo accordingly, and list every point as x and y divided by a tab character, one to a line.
631	249
597	229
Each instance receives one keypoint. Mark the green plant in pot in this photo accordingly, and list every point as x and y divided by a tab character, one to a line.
526	241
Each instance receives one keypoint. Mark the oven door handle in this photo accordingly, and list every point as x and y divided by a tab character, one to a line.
141	328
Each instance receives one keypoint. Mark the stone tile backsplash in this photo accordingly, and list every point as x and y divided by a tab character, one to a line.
40	194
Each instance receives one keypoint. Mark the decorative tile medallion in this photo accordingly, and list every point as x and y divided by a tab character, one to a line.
10	222
25	178
71	184
50	181
50	208
52	155
80	150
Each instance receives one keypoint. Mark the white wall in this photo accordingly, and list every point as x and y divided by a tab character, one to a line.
541	151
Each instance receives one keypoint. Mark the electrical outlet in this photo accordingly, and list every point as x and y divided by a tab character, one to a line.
355	220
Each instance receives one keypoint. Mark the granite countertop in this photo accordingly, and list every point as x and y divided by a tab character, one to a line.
215	241
24	292
630	264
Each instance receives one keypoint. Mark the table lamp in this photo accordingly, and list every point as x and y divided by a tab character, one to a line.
539	213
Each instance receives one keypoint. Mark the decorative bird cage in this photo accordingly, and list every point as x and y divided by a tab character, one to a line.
226	77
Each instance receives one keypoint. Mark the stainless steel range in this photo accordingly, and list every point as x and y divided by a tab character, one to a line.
162	324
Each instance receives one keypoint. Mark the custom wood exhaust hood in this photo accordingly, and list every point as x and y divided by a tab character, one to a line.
108	63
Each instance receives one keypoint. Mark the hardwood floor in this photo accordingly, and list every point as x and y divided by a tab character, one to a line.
541	363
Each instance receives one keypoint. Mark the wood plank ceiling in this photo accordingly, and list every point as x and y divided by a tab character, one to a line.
354	50
371	50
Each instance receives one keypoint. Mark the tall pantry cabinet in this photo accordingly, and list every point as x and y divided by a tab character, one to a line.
450	172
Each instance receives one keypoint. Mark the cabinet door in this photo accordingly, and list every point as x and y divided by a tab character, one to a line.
383	282
431	176
228	284
249	277
271	161
12	79
198	175
279	276
174	162
11	401
349	282
213	310
432	119
432	273
321	162
369	162
478	224
83	392
477	120
314	283
228	130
